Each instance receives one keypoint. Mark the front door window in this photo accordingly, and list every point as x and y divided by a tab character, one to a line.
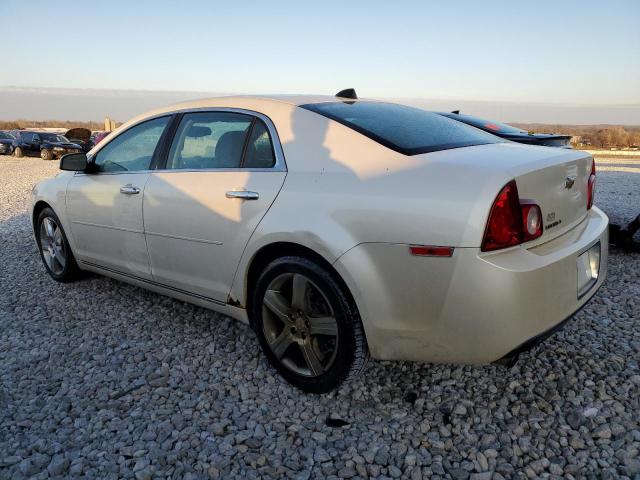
132	150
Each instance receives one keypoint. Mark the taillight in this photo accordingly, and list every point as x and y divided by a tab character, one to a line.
531	221
504	227
510	221
591	185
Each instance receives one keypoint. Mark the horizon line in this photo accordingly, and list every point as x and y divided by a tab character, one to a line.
213	93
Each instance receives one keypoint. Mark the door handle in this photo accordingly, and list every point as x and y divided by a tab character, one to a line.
243	194
129	190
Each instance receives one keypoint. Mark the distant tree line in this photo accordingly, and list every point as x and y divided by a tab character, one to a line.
601	136
68	124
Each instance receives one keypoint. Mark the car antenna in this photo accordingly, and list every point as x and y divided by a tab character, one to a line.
457	112
347	93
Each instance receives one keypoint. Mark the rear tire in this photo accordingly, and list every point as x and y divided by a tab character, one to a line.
307	324
54	247
46	154
18	152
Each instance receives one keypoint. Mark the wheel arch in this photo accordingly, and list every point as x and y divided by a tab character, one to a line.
37	209
272	251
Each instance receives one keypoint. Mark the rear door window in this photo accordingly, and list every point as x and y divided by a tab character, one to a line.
206	140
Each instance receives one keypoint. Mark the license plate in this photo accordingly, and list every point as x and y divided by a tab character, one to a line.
588	266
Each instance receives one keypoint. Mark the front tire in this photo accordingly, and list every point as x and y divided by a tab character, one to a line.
54	248
18	152
308	325
46	154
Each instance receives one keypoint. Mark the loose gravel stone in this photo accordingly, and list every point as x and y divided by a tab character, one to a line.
58	465
100	379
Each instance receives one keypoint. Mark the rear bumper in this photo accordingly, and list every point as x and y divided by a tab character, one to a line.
541	337
473	307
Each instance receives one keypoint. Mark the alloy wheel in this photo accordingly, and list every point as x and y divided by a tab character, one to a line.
299	325
52	245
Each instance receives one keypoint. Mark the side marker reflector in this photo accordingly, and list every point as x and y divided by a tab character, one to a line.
430	251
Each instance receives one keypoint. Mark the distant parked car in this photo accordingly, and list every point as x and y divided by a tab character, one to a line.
510	132
47	145
6	143
97	137
81	136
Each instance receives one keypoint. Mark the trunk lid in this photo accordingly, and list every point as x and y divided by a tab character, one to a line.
560	189
474	176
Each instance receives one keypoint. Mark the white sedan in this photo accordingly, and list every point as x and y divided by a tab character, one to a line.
339	229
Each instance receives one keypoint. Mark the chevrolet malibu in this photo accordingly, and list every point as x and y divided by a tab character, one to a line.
339	229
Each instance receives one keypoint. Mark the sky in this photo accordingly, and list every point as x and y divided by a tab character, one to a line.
575	53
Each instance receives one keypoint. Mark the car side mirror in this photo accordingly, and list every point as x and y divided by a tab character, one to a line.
74	162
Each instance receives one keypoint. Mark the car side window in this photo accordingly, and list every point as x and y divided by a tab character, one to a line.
132	150
259	153
206	140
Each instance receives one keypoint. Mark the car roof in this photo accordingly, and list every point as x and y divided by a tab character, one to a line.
260	103
295	100
257	101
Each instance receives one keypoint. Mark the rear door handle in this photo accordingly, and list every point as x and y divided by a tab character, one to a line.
129	190
243	194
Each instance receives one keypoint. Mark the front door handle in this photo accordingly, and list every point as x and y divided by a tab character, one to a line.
243	194
129	190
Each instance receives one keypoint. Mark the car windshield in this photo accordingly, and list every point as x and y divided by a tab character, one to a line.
6	135
52	137
491	125
407	130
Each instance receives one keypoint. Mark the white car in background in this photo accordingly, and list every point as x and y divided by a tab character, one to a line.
338	228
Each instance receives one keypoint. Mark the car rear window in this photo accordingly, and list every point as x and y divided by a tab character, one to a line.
407	130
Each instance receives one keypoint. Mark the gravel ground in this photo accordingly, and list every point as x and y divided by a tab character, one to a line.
100	379
618	190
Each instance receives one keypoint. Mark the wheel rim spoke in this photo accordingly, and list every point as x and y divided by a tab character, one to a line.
45	242
58	247
277	304
48	259
57	265
311	358
49	227
299	291
323	326
282	342
60	256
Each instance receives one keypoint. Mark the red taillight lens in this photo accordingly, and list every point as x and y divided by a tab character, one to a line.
591	185
510	221
504	227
